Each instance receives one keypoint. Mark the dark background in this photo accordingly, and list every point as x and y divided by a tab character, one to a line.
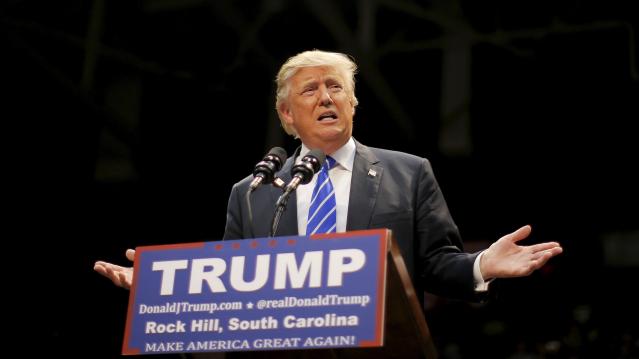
134	119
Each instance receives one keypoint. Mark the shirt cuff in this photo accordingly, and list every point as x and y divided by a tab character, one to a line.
480	284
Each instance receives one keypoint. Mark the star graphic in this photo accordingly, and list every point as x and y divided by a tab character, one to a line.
249	305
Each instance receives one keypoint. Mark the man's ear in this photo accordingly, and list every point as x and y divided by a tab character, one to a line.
285	113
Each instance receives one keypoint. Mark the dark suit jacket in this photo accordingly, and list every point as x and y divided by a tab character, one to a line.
402	196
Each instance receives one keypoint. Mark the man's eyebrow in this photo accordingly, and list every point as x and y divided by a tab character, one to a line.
308	81
313	82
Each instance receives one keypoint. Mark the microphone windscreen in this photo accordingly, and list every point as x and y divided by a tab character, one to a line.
280	153
319	156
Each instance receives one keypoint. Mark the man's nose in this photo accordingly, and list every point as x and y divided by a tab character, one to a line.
325	98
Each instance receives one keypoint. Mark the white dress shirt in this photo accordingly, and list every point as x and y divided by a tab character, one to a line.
340	175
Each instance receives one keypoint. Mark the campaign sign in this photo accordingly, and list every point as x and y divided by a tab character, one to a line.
324	291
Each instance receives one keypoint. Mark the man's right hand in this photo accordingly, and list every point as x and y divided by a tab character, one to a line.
120	276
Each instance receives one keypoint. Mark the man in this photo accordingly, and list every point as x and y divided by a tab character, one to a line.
369	188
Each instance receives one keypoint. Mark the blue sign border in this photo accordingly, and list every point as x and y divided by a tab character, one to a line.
278	328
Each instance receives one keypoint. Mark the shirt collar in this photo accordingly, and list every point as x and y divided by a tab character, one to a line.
344	156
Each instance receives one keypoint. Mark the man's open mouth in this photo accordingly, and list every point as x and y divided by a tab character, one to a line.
327	115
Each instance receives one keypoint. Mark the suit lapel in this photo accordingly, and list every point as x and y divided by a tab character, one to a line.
364	187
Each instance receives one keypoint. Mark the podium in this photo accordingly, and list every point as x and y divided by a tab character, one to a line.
405	332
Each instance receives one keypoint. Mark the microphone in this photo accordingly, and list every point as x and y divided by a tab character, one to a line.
265	170
304	171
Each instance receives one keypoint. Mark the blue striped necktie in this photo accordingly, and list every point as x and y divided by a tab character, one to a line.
322	215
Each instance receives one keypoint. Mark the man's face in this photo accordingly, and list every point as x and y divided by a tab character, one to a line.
319	108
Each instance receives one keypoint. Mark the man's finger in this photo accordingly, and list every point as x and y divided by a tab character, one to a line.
542	260
130	254
544	256
113	276
99	268
544	246
124	283
519	234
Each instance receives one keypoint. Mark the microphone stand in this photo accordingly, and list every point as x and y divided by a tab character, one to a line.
247	198
280	207
277	182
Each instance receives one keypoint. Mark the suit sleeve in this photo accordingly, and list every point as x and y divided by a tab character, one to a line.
233	228
444	268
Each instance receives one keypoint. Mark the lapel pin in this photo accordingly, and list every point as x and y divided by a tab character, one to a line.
372	173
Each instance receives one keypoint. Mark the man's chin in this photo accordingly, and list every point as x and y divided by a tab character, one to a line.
333	134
